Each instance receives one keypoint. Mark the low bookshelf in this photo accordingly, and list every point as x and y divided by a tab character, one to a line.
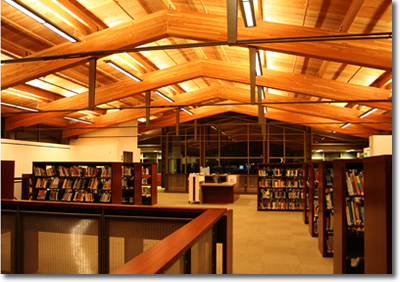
89	182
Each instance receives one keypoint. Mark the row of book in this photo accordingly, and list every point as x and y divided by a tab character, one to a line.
70	183
329	221
277	171
280	205
281	194
329	243
127	170
145	170
355	211
280	183
73	171
354	182
128	200
70	196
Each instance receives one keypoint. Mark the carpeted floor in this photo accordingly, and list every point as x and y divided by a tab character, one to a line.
273	242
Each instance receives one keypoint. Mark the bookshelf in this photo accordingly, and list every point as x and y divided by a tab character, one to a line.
306	193
86	182
348	199
280	186
325	228
378	214
7	179
128	183
313	204
148	183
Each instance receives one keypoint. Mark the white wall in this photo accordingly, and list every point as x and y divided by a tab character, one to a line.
380	145
24	153
107	144
101	145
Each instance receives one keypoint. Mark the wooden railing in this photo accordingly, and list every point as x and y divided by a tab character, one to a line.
155	260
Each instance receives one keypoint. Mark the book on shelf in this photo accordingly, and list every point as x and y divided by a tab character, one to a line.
354	182
329	202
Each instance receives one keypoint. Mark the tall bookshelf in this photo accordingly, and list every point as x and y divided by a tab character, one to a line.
88	182
280	187
306	197
313	204
378	214
325	228
7	179
349	220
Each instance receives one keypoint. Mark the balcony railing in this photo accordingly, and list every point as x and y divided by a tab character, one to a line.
74	238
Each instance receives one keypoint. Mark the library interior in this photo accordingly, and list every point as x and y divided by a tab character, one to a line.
196	137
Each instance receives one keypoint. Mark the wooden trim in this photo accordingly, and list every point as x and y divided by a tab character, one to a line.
161	256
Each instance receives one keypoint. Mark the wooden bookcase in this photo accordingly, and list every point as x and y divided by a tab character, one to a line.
348	238
97	182
7	179
306	198
313	204
148	184
325	227
374	244
116	184
378	214
280	186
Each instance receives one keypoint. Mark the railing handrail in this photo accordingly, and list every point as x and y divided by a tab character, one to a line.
165	253
161	256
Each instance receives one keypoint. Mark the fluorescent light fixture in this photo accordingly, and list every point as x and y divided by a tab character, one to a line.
118	68
248	13
258	64
368	112
163	96
223	133
345	125
32	14
319	151
213	127
78	120
262	93
189	112
351	150
265	110
19	107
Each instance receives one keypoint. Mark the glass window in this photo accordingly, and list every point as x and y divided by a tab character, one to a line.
192	165
234	166
176	146
176	165
211	139
294	143
253	165
276	141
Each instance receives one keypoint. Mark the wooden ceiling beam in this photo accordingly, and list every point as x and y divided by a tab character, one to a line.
93	23
205	27
147	29
299	83
318	110
322	123
67	18
291	82
114	118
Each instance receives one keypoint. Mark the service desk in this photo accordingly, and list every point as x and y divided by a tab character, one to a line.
220	193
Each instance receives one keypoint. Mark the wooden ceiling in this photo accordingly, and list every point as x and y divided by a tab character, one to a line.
320	84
